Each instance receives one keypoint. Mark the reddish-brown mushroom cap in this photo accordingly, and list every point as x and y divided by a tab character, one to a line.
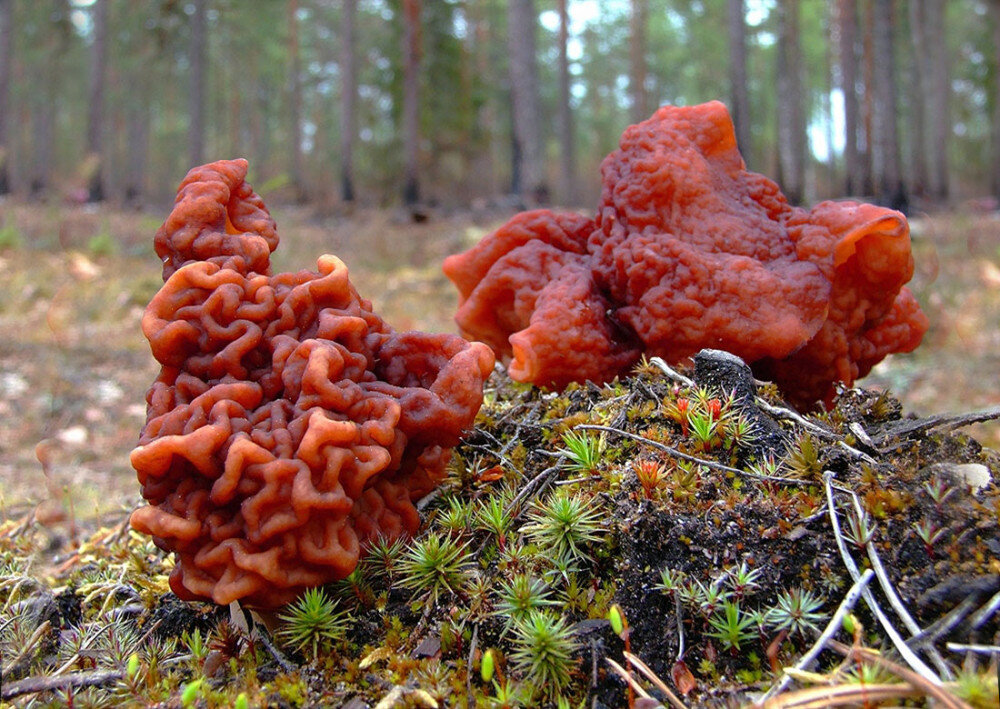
289	425
690	250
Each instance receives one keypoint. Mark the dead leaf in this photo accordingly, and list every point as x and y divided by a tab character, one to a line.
682	677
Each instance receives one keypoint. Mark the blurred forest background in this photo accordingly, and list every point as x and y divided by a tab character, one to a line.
452	101
395	132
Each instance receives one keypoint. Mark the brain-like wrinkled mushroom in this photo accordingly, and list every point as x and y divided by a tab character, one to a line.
690	250
289	425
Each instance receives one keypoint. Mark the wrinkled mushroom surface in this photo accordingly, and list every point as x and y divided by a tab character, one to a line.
688	250
289	425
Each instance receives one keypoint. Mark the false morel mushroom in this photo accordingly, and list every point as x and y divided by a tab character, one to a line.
289	426
690	250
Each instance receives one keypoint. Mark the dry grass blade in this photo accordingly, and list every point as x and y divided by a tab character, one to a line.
842	695
651	676
28	648
627	676
928	688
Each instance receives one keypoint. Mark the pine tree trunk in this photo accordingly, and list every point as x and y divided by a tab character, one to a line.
6	56
95	103
868	105
196	99
567	148
938	118
295	107
138	150
919	71
411	101
527	136
848	24
348	99
637	60
738	92
888	173
995	128
791	121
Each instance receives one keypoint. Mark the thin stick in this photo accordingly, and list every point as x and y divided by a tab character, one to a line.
807	660
671	373
904	650
980	649
33	685
651	676
695	459
781	412
629	679
980	617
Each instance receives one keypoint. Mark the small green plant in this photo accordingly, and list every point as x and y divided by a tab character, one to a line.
796	611
494	517
742	580
313	621
521	595
583	450
938	490
457	518
435	565
709	597
671	581
860	528
930	534
803	459
731	627
543	648
384	555
977	687
564	524
685	480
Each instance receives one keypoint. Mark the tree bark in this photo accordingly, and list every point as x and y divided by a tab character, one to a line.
6	57
567	147
196	99
348	99
411	101
995	128
637	60
888	172
138	149
921	95
848	25
95	105
938	118
527	134
791	121
738	92
295	107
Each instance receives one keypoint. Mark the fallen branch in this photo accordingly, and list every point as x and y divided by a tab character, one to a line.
673	452
908	427
904	650
74	680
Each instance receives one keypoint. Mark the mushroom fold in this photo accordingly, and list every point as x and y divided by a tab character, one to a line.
289	425
689	250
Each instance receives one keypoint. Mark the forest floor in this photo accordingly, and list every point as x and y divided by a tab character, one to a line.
725	567
74	366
